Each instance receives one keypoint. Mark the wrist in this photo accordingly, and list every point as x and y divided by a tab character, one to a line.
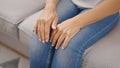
78	22
51	3
50	6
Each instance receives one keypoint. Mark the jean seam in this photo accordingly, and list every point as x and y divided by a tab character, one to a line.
94	37
48	58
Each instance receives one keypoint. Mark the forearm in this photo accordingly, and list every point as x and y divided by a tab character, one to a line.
51	4
107	8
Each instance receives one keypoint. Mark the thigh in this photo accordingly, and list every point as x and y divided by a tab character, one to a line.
41	53
71	57
66	9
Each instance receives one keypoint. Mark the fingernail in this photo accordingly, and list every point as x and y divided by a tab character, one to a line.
56	48
40	39
46	40
52	45
62	47
43	41
54	27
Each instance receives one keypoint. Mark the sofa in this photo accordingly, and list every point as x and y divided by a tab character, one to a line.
17	18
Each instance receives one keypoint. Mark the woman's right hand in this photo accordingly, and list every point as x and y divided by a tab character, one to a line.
43	24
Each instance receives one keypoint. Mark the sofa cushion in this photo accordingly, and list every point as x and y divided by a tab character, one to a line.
8	28
12	12
105	53
26	28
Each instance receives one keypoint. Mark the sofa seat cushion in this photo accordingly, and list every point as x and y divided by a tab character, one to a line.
8	28
12	12
103	54
26	28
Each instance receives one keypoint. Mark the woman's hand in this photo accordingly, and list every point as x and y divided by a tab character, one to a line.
64	32
48	19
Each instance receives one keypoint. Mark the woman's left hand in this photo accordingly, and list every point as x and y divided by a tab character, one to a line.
64	32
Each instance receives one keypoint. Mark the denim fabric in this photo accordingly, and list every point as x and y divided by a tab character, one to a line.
43	55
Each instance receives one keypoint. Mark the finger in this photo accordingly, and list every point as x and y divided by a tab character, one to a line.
47	31
42	29
38	31
55	37
60	40
35	27
52	35
54	23
67	39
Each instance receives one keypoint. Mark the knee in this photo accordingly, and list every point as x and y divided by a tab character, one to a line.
37	47
34	44
68	57
73	47
34	50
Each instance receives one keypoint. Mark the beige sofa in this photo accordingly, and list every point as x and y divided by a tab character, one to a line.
17	18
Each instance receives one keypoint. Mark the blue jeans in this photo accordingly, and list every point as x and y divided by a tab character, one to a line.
43	55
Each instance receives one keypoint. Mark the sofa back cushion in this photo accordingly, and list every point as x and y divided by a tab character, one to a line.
15	11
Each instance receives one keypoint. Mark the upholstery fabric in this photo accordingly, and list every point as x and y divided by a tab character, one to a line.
12	12
105	52
27	31
14	44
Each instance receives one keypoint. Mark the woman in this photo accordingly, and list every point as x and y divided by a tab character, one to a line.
66	28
